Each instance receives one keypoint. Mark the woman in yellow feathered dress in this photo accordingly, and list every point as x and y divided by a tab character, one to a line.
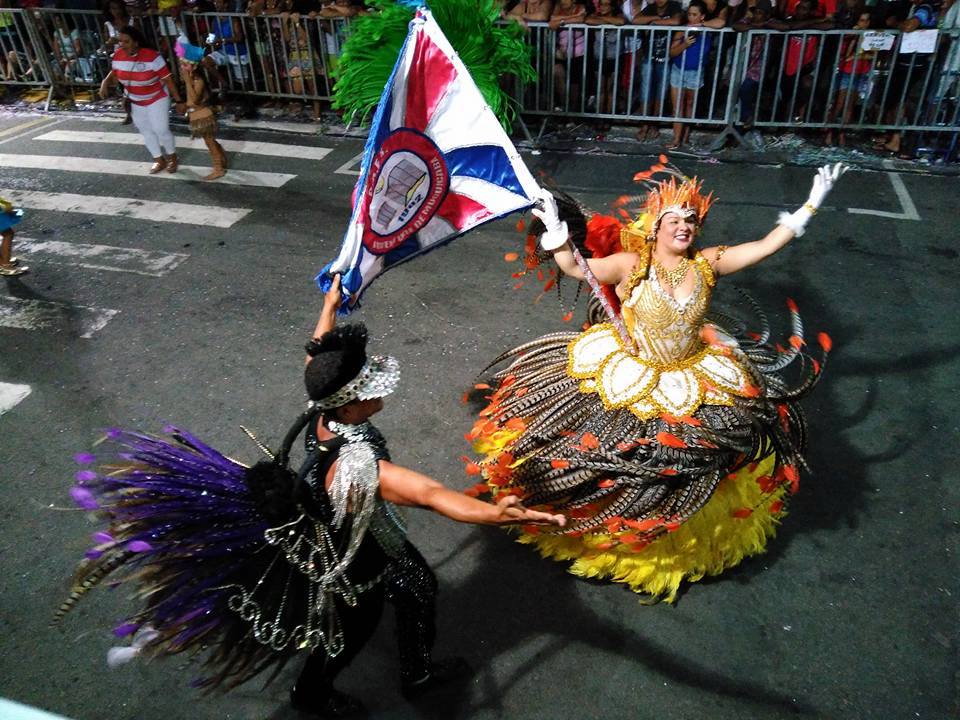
668	442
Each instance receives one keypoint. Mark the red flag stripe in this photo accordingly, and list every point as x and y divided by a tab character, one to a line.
461	211
431	73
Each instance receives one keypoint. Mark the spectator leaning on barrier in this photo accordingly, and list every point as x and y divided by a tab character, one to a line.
756	18
166	12
334	33
854	71
824	9
606	48
229	45
688	51
302	65
115	16
716	64
16	59
654	55
849	12
796	81
568	53
716	14
531	11
950	24
909	72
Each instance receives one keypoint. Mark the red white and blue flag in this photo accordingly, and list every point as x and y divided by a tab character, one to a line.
437	163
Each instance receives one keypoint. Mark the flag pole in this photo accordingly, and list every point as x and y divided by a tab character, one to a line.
615	319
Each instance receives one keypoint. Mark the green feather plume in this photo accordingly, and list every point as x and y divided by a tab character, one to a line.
489	50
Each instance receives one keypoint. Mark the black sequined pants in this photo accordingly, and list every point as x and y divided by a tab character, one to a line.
358	623
411	587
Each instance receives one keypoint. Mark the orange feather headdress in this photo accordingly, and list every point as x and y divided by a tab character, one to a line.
677	194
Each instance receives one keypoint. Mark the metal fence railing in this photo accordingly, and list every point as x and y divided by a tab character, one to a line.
626	72
20	62
761	78
836	79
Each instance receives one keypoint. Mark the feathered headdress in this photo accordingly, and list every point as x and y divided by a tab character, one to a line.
677	194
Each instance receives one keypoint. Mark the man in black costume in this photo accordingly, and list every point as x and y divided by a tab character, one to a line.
354	487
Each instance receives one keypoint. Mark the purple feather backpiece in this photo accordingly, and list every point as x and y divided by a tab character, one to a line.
183	529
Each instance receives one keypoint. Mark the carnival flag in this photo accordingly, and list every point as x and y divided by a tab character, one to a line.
436	164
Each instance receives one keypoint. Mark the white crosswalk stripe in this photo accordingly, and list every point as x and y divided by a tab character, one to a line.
27	314
351	166
173	212
245	147
99	257
11	395
100	166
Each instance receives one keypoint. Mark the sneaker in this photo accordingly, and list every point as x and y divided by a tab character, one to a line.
335	705
13	270
441	672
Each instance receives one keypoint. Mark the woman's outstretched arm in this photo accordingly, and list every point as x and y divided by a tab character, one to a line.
790	225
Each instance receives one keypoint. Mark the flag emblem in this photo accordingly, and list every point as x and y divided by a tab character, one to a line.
409	181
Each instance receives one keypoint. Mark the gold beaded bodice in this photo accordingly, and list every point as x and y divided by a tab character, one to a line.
672	371
666	329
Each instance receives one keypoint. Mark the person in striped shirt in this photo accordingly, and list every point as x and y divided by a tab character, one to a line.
146	78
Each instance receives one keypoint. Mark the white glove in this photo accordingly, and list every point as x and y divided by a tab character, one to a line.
823	183
556	233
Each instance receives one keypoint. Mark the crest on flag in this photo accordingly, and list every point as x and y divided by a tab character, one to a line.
437	163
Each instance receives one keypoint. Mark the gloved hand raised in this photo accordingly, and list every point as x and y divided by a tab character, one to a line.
823	183
556	233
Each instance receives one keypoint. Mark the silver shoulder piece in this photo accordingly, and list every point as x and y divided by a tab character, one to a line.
355	483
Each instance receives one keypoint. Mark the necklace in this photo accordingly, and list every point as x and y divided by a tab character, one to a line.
672	277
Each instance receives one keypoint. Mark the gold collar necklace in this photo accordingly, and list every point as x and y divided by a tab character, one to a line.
674	277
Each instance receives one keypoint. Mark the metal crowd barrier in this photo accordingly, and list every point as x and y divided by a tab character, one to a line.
275	56
624	73
20	63
760	78
826	79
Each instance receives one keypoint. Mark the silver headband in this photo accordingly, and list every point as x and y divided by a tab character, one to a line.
377	378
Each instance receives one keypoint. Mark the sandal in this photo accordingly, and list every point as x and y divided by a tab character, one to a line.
13	270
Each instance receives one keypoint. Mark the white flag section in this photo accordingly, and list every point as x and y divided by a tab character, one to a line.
437	163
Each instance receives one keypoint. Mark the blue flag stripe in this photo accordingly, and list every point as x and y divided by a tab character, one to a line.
484	162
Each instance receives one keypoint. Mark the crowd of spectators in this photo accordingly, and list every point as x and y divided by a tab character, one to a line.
667	63
283	49
657	62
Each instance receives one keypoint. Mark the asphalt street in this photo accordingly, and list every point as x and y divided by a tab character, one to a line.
152	300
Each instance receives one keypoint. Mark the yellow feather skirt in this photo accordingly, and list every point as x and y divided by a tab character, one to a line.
735	523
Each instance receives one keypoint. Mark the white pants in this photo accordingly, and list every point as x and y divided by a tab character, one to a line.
153	122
